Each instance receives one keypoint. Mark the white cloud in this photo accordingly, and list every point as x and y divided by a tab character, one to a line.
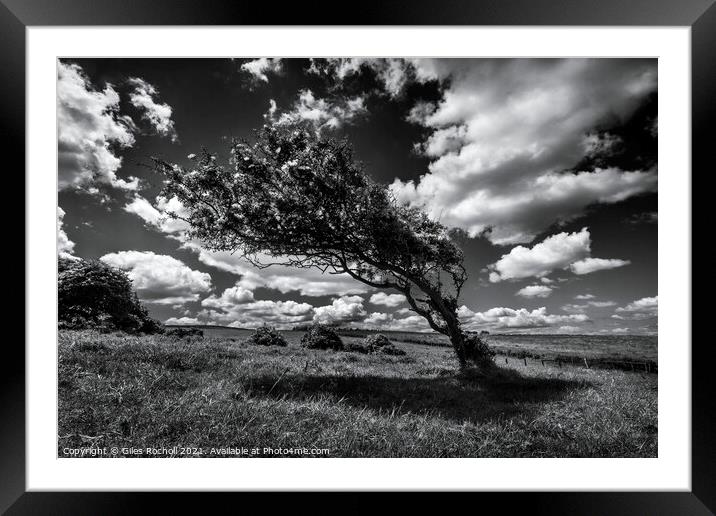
644	308
584	296
65	246
581	308
182	320
589	265
534	291
561	251
231	296
159	115
341	310
569	329
236	307
158	217
505	132
160	279
389	300
321	113
259	68
89	128
388	322
391	74
308	282
554	252
500	318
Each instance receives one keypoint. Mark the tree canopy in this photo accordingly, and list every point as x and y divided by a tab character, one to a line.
96	295
305	201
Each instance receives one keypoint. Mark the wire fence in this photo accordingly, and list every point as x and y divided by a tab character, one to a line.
643	366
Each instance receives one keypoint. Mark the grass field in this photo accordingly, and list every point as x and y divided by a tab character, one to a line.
124	391
611	351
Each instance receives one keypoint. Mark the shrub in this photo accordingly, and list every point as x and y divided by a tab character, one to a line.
357	348
390	350
478	352
267	336
320	336
181	332
91	294
376	341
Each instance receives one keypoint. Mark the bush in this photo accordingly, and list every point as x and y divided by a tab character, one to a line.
478	352
390	350
91	294
357	348
376	341
182	332
320	336
267	336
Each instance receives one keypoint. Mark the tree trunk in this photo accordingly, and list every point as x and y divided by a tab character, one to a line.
458	343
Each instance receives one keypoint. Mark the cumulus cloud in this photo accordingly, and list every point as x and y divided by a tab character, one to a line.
392	74
389	300
389	322
159	115
341	310
90	127
182	321
588	265
321	113
500	318
644	308
160	279
65	246
260	68
236	307
534	291
561	251
584	296
505	135
581	308
308	282
554	252
158	216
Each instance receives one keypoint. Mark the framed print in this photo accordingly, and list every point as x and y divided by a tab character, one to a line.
432	250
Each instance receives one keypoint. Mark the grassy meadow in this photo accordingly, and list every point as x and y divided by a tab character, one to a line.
138	392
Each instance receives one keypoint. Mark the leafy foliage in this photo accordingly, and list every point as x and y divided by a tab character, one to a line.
267	336
320	336
377	341
294	198
92	294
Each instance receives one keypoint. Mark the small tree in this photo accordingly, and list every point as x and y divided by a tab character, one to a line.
94	294
295	197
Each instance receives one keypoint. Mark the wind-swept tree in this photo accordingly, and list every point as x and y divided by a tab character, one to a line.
305	201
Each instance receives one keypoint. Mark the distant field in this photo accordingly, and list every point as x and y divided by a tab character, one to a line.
611	351
125	391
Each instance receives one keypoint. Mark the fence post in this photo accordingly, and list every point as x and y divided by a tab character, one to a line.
586	364
525	359
542	363
506	361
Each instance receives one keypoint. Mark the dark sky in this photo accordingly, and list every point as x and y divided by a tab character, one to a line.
550	165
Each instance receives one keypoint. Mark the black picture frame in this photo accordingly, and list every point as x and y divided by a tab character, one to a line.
700	15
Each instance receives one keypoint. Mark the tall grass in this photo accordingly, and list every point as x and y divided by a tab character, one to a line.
126	391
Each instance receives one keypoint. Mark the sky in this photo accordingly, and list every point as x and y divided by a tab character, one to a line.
548	165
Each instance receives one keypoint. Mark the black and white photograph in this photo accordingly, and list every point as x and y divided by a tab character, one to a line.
349	257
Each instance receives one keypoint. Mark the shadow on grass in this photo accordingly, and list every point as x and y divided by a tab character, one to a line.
503	394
